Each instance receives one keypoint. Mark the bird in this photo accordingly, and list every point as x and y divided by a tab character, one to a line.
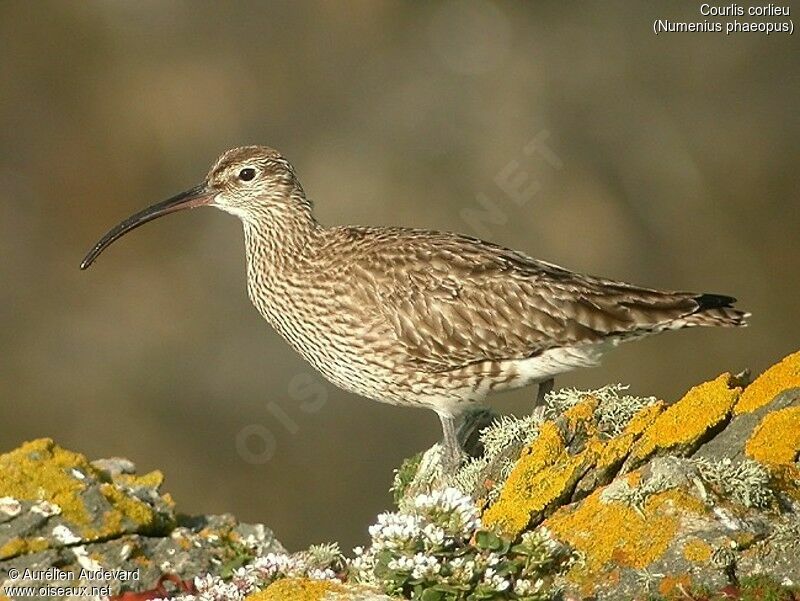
417	317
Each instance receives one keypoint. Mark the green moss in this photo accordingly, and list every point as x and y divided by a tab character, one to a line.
753	588
404	476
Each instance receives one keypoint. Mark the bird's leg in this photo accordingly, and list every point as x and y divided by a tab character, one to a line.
545	386
452	455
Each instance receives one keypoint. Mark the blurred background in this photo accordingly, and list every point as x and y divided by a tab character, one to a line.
570	132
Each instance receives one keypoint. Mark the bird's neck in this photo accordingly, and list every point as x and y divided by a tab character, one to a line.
278	242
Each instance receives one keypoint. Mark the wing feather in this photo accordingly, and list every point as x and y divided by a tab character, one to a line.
451	300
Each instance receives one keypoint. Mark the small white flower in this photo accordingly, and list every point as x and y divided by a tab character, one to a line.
401	564
426	567
495	580
434	535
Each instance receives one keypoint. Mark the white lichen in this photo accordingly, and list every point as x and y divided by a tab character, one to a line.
46	509
10	506
620	491
745	481
65	536
614	409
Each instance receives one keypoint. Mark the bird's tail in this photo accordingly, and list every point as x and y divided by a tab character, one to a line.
713	310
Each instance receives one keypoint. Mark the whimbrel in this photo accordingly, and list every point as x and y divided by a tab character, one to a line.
416	317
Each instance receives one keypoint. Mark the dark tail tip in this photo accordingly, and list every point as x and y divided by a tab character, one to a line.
714	301
717	310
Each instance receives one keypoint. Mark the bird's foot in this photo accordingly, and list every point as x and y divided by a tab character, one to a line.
451	454
545	387
451	458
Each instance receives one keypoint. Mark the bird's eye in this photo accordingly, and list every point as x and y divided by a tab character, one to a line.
247	174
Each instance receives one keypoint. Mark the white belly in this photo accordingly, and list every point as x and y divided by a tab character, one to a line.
558	361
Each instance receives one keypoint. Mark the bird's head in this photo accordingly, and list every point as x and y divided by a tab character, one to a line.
251	182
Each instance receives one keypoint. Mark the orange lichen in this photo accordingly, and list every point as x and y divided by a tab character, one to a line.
697	550
671	584
531	489
18	546
781	376
775	443
702	408
297	589
540	476
582	414
613	451
546	471
776	440
644	418
546	448
613	534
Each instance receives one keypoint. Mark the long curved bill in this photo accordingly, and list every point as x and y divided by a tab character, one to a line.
195	197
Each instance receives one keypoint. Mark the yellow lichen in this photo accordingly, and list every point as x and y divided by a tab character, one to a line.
539	477
546	448
612	534
530	489
775	443
546	471
781	376
152	479
582	414
672	584
697	550
644	418
776	440
42	471
296	589
18	546
613	451
125	507
702	408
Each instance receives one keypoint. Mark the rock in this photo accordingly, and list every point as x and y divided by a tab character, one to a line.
704	492
314	590
600	494
64	520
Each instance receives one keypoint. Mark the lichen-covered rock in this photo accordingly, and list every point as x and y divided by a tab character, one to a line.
68	522
700	493
650	496
51	497
599	494
298	589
